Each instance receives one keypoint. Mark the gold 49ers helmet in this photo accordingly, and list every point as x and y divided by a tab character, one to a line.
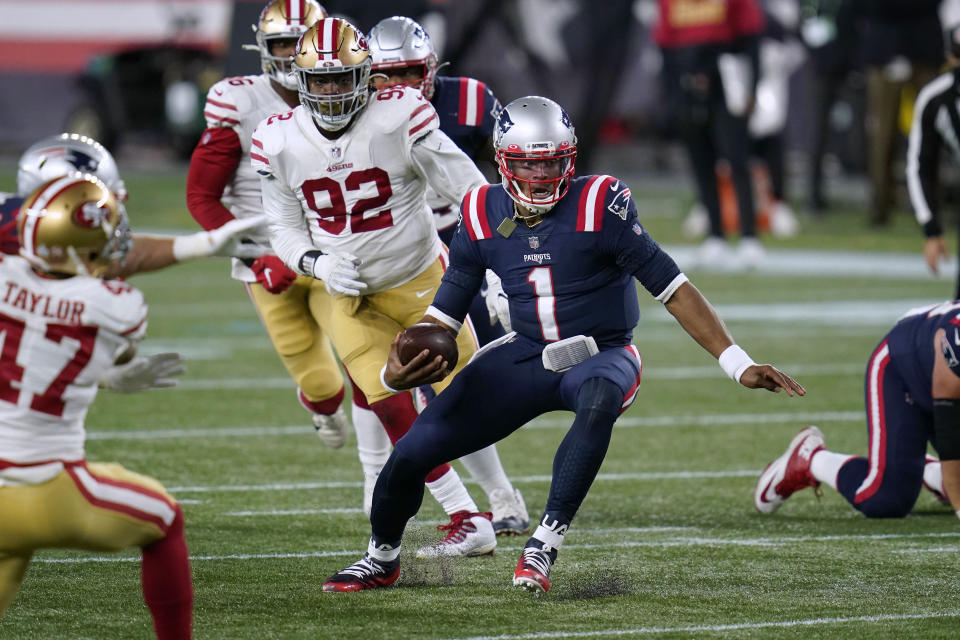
332	65
73	225
284	20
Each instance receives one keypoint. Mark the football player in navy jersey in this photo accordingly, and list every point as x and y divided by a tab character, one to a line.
912	391
567	250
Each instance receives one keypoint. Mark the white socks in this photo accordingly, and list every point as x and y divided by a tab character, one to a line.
373	445
825	465
449	491
487	471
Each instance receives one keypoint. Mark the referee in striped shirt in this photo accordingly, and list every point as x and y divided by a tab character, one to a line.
936	124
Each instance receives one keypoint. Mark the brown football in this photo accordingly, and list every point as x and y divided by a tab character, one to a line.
426	335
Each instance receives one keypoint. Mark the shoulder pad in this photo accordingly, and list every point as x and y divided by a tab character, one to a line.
473	213
396	108
227	101
476	103
600	194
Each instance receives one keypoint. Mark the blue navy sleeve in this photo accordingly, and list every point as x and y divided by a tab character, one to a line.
463	277
635	251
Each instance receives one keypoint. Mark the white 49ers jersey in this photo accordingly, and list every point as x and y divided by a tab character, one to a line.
363	193
59	338
240	103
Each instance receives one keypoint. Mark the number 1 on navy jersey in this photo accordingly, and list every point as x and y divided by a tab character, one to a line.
542	280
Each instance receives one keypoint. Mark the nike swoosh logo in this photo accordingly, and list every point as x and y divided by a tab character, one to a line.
956	338
218	92
266	274
615	186
420	294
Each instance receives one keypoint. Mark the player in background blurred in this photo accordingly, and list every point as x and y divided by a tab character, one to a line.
569	252
403	54
912	393
343	179
69	153
223	186
65	327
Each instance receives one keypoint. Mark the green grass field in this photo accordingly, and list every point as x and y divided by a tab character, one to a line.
667	544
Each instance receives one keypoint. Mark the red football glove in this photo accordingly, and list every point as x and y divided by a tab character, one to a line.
275	276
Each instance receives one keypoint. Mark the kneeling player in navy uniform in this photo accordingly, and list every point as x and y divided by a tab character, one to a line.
567	250
912	391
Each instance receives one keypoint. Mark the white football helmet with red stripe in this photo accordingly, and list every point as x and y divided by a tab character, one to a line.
284	20
535	131
335	53
65	153
73	225
398	43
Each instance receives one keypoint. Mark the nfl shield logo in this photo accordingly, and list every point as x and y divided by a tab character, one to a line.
337	153
534	242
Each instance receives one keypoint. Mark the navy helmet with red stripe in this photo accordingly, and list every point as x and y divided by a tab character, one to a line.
536	147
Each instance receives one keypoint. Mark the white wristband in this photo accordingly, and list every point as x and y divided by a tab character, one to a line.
195	245
734	361
384	382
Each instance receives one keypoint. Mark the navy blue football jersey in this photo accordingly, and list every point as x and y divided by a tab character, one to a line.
467	110
912	350
571	274
9	206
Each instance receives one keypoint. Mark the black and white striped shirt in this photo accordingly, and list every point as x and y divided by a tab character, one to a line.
936	123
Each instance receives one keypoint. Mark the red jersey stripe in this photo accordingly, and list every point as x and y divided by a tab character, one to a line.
223	105
257	156
423	124
218	117
419	110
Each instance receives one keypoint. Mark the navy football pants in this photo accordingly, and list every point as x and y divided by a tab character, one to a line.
489	399
887	482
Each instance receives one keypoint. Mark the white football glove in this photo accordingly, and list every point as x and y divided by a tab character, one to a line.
498	305
222	241
147	372
339	274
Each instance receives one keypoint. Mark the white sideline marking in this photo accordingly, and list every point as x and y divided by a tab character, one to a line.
713	628
516	547
296	486
294	512
629	422
661	373
930	550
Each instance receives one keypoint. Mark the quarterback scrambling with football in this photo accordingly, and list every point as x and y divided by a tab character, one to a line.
568	250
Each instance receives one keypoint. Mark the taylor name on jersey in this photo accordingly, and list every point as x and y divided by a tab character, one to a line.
363	192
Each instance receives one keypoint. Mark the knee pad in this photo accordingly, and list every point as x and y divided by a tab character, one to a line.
599	394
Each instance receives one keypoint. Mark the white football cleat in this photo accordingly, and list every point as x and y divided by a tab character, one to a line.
789	473
933	479
470	534
750	253
333	429
510	517
714	255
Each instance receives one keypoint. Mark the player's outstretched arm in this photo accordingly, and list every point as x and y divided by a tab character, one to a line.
152	252
698	318
419	371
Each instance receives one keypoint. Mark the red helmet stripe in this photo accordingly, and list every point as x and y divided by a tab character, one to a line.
328	39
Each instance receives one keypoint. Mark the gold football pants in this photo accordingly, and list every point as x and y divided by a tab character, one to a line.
92	506
295	331
362	328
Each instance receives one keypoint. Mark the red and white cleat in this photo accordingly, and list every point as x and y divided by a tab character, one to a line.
368	573
470	534
789	473
533	571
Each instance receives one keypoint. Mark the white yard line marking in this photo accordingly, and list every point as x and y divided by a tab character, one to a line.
629	422
294	512
714	628
301	486
670	542
662	373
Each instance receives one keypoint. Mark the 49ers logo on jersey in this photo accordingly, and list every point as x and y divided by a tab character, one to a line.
90	215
